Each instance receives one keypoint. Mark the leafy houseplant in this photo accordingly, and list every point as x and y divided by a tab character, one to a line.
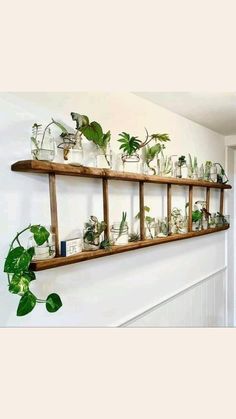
20	276
92	232
44	148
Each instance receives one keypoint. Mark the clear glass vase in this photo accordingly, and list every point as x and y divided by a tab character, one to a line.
163	227
43	146
197	225
46	250
131	163
104	158
119	234
91	238
151	230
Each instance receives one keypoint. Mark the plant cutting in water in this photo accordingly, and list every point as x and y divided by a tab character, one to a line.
20	276
123	224
166	164
93	132
37	130
221	175
193	167
130	145
148	221
93	231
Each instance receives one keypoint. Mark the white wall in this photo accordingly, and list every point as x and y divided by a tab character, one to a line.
108	291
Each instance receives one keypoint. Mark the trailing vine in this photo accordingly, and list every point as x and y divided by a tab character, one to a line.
20	276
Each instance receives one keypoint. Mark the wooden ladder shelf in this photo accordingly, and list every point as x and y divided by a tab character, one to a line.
53	169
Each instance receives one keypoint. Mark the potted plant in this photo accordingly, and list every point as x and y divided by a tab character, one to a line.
20	275
120	231
131	146
43	145
93	230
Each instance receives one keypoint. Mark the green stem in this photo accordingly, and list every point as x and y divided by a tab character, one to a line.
16	238
44	133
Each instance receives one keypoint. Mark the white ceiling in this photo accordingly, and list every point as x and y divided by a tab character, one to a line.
216	111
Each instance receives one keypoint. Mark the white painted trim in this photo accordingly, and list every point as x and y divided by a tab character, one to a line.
169	298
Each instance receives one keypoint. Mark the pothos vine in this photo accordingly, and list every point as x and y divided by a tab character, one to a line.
20	276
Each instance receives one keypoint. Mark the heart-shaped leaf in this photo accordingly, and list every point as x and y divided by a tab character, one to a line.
53	303
26	304
30	275
41	234
93	131
19	284
17	260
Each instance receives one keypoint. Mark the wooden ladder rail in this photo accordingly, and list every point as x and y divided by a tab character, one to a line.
53	209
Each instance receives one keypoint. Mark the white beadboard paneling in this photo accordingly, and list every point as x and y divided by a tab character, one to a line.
202	305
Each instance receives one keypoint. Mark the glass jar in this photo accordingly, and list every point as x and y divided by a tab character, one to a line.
119	233
131	163
151	230
204	224
207	171
212	221
197	225
163	227
213	173
46	250
201	172
104	158
166	166
43	146
91	238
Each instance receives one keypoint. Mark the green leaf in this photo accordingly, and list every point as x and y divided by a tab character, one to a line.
62	128
26	304
17	260
30	275
53	303
93	132
19	284
40	233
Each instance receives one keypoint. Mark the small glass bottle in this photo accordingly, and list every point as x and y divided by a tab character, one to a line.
119	233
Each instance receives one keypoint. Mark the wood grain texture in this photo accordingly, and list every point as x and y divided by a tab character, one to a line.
208	192
35	166
190	208
169	203
141	210
93	254
106	207
53	208
221	201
